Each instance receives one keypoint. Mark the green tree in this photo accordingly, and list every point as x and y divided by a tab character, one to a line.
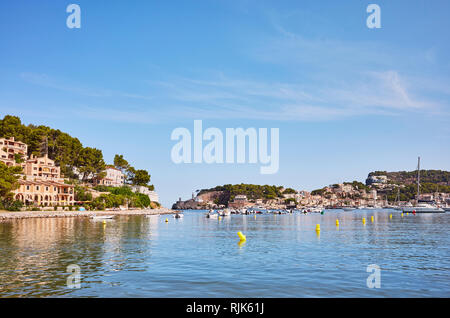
130	174
120	163
90	163
11	126
8	183
141	178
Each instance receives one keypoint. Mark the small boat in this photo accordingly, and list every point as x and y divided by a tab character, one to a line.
178	215
102	217
211	215
225	212
315	210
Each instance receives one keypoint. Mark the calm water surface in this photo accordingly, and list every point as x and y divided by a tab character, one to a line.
283	256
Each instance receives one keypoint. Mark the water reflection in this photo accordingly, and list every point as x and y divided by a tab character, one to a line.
283	256
36	252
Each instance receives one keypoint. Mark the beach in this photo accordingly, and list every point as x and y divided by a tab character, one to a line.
7	215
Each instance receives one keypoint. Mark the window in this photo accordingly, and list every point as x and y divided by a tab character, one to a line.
37	187
28	187
46	188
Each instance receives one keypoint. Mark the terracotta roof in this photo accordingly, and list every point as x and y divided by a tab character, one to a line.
44	183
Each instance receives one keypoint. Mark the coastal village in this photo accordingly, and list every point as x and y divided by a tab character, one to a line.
374	193
41	183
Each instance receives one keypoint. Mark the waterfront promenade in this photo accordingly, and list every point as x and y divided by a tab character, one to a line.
6	215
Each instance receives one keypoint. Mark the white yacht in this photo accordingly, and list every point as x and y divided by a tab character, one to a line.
421	207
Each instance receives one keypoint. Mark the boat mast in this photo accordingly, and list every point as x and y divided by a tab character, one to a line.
418	179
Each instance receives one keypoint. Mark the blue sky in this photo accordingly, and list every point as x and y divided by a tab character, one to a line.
347	99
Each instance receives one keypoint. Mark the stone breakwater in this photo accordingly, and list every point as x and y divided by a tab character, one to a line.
4	215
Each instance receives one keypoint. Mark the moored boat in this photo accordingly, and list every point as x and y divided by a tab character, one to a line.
178	215
211	215
102	217
423	208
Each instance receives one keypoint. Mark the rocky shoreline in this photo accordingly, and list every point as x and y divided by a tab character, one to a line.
5	215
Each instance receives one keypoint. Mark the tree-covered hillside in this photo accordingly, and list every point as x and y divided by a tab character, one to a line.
408	177
67	151
252	191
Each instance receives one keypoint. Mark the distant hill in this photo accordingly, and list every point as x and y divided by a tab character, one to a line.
409	177
252	191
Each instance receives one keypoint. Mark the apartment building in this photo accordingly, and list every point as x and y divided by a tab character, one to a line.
41	183
10	149
44	193
114	178
42	168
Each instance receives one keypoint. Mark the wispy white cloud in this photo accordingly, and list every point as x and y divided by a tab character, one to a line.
47	81
332	79
375	93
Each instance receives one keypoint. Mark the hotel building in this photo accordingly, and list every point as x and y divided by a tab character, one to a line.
41	183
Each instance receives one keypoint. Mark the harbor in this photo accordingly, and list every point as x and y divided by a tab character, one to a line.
282	255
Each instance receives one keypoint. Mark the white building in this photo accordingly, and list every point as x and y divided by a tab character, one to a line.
114	178
144	190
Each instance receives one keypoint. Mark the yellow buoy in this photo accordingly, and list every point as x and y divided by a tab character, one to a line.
255	216
402	214
219	217
407	213
241	236
390	216
371	218
318	227
167	221
337	222
364	220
